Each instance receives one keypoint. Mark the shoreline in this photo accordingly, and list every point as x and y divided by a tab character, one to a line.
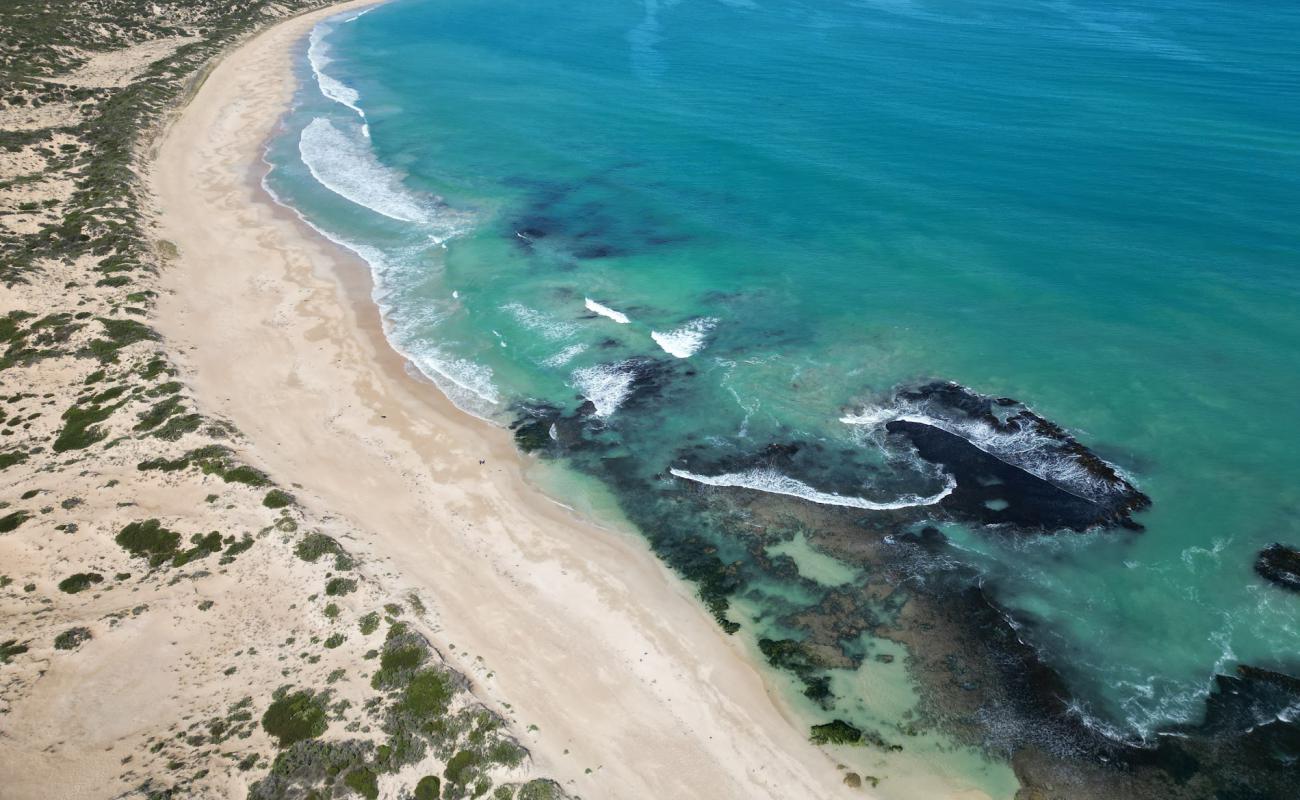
562	624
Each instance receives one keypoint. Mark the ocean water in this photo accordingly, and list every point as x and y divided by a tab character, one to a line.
680	232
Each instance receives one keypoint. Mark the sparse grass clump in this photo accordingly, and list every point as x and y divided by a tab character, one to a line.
81	426
11	457
118	333
213	459
11	648
311	768
235	548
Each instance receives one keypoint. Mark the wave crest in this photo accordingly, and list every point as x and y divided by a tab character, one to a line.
687	340
606	311
605	385
766	479
331	87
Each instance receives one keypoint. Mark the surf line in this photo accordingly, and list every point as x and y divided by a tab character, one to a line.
773	482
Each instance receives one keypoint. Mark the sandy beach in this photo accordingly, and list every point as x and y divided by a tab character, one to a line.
615	677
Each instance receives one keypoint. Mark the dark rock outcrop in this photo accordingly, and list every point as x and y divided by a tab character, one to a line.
1281	565
1012	466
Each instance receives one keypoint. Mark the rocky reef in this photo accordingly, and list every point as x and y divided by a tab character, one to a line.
1281	565
1011	465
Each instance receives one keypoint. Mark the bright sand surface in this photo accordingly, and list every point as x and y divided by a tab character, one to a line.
563	624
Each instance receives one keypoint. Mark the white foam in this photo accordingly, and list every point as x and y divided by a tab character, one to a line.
564	356
348	167
1025	448
606	311
605	385
334	89
773	482
549	327
466	383
687	340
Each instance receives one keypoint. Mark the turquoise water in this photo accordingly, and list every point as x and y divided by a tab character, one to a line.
1091	207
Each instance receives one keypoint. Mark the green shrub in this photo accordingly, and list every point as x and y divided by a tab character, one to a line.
429	788
364	782
72	638
462	767
11	522
428	694
295	717
314	545
150	540
335	640
540	789
369	623
205	544
395	662
80	582
12	457
277	499
337	587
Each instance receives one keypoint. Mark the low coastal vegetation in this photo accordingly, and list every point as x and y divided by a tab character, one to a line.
133	529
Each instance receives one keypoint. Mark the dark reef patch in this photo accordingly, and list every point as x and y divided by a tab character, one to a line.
572	221
1281	565
990	491
979	677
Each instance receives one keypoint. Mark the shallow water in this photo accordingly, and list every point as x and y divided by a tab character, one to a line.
729	224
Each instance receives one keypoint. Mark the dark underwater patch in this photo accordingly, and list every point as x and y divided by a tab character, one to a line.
572	222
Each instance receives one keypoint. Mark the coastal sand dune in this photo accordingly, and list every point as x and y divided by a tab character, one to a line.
575	629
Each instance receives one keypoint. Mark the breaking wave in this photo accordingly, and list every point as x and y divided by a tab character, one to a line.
605	385
687	340
331	87
348	167
606	311
765	479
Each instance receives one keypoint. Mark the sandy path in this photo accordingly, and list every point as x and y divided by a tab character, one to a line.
578	627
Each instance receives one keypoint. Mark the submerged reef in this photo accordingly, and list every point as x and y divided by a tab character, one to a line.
989	462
